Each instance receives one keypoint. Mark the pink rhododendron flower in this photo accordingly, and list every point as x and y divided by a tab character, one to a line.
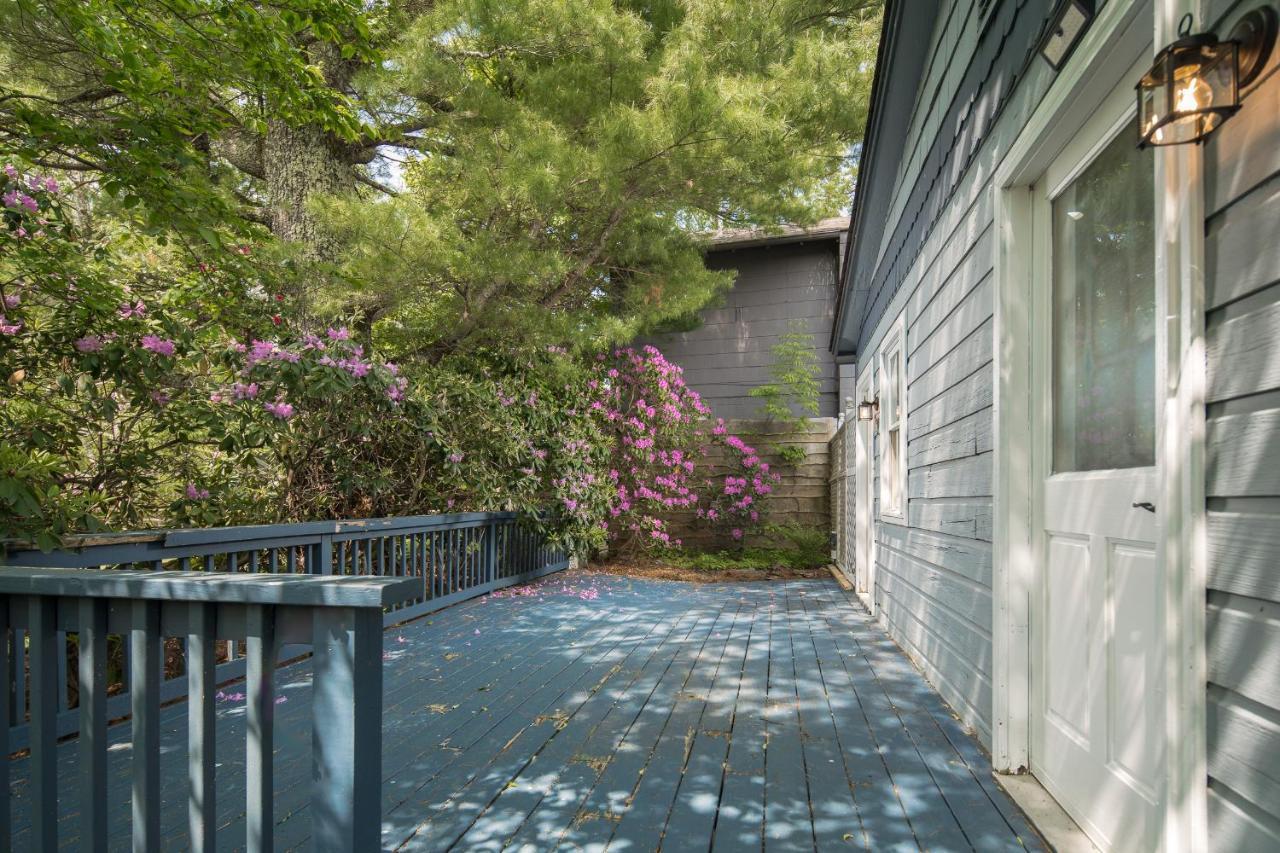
7	328
13	300
158	345
89	343
195	493
284	411
240	391
455	458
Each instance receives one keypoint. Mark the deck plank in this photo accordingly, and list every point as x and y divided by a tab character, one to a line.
645	714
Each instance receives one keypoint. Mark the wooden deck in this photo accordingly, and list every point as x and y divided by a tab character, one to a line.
589	712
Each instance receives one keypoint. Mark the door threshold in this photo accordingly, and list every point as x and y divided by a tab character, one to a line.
1057	828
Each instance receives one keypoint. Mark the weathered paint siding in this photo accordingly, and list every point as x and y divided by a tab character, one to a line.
1242	296
732	351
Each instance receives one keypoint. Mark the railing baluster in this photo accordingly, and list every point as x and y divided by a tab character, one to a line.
451	563
491	553
93	723
144	687
201	728
260	646
44	722
346	730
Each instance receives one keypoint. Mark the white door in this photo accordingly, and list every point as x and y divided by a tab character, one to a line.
864	546
1097	670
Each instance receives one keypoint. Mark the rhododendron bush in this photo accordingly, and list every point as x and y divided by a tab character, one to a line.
147	385
151	384
660	435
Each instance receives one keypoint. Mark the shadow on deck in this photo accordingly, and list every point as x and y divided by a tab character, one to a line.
589	711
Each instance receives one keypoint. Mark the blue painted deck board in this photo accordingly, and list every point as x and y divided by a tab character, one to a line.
695	717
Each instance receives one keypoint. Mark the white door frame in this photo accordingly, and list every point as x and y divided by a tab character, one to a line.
864	522
1123	31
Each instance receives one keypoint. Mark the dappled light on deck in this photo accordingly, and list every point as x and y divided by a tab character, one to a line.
589	711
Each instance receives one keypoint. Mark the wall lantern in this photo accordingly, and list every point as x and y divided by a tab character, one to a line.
1194	84
867	411
1069	22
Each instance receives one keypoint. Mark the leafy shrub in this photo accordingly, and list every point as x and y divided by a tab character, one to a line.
793	393
658	435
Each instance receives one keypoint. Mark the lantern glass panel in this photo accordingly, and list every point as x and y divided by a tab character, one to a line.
1188	92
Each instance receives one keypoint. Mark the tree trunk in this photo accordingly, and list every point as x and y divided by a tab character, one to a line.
299	162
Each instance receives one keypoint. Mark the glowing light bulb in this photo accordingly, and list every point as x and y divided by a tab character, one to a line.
1192	96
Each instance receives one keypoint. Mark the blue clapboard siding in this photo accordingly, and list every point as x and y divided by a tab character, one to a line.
933	578
1242	281
731	352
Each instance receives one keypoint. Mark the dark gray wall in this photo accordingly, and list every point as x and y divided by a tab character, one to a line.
732	351
1242	298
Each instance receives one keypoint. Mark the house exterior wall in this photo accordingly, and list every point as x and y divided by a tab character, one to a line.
935	263
1242	301
732	351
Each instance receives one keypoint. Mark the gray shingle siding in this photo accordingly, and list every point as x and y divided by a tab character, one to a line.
731	352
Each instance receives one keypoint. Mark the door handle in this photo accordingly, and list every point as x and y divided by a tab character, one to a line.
1147	505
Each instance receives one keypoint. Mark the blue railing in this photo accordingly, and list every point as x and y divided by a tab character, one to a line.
234	601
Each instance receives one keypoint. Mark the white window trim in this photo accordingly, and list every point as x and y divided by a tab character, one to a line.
895	341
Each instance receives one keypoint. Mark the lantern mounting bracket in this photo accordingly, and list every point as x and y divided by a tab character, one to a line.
1255	33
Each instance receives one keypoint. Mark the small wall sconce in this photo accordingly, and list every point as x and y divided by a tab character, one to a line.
1069	22
867	411
1194	84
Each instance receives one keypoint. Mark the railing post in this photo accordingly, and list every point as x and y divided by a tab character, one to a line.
324	556
201	727
346	805
144	687
6	661
260	647
44	723
93	723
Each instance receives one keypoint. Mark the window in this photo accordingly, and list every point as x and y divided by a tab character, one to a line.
893	442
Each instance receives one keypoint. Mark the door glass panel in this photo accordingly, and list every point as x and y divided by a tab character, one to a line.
1104	313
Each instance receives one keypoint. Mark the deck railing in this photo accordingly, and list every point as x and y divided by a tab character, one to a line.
234	601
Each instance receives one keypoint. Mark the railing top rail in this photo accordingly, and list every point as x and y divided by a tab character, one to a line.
245	537
221	587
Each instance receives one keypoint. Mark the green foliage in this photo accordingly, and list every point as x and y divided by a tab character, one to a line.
158	348
793	394
130	93
792	454
572	148
811	545
798	548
